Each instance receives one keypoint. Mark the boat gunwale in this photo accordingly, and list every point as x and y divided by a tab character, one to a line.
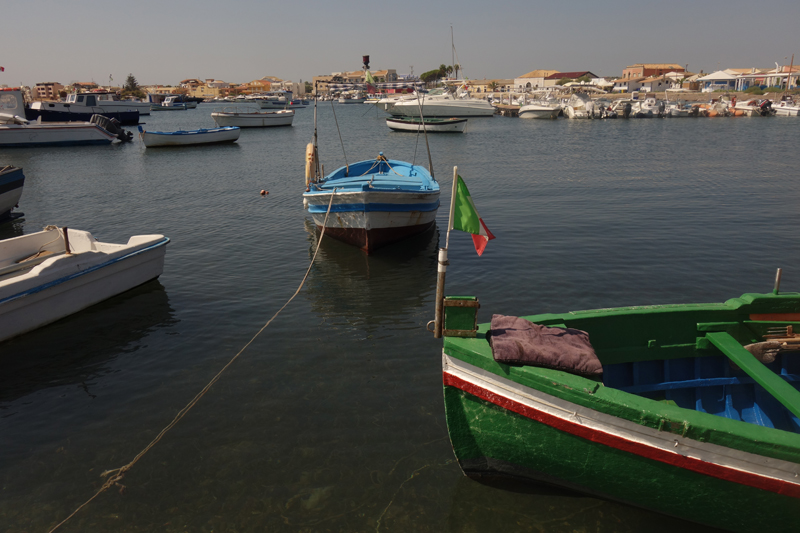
592	394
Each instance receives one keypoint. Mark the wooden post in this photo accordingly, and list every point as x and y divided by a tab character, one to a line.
66	239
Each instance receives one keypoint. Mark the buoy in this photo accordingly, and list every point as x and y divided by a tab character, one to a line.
263	192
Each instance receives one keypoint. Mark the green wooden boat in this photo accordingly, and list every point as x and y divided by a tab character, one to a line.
684	420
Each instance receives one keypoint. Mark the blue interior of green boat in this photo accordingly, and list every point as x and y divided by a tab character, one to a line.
710	384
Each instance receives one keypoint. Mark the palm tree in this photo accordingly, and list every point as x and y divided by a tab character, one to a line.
492	86
449	71
456	68
442	70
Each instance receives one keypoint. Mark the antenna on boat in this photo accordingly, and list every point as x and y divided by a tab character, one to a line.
425	131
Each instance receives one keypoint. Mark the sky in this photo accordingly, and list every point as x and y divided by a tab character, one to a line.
163	42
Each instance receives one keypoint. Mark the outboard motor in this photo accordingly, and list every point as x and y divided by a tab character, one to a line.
112	126
661	109
765	108
626	111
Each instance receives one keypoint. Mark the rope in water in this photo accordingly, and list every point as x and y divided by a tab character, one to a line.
118	473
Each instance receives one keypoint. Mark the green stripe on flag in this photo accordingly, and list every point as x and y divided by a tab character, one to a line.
465	216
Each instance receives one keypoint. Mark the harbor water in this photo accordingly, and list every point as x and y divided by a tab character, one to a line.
333	418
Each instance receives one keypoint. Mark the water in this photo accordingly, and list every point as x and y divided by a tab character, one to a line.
332	420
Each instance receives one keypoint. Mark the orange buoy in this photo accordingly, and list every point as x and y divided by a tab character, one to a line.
263	192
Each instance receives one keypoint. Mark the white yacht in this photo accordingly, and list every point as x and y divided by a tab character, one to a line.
544	107
786	108
441	103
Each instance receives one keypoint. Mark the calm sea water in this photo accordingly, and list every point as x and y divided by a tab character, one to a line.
332	420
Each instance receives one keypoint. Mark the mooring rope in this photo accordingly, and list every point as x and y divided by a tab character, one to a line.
118	473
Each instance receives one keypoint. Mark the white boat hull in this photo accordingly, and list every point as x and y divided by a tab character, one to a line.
446	126
352	100
537	111
787	111
53	133
63	285
153	139
254	120
445	109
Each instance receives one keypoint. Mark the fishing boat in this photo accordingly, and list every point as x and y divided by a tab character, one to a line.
688	410
432	125
152	139
11	182
247	118
48	275
374	202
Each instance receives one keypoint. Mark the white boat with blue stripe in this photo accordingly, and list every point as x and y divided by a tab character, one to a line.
372	203
11	182
51	274
227	134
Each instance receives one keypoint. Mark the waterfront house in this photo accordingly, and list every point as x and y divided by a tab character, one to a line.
649	70
553	79
717	81
532	80
627	85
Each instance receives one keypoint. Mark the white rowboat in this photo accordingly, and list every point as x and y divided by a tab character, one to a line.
154	139
431	125
253	119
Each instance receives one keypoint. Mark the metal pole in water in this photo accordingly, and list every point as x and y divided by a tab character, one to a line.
442	265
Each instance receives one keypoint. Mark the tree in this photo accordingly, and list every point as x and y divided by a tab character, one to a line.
430	76
309	88
130	83
456	68
492	86
563	81
584	79
448	70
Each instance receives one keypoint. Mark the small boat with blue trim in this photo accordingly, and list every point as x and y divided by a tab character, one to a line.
431	125
691	410
170	103
48	275
152	139
11	182
372	203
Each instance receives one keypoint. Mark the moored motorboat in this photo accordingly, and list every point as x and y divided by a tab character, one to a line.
442	103
81	107
15	131
688	410
152	139
169	104
786	107
11	182
542	109
431	125
246	118
374	202
51	274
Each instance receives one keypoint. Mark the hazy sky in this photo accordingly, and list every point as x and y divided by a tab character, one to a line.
240	40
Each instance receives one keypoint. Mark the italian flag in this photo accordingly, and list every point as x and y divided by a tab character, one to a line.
466	218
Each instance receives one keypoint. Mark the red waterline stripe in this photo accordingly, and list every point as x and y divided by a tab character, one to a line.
649	452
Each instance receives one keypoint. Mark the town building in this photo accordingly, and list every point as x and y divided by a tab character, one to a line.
533	79
650	70
492	85
321	83
47	90
554	79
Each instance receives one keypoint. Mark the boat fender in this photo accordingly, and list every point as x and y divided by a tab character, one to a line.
309	162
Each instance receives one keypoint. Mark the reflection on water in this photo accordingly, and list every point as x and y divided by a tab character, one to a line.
12	228
498	504
77	348
346	282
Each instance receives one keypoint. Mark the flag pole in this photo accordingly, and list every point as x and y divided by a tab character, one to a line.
442	264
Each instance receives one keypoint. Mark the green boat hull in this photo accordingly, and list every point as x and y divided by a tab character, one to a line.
545	425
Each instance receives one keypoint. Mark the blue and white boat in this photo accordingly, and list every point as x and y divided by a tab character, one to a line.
374	202
227	134
11	181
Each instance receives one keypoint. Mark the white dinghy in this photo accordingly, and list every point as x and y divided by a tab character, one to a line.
252	118
154	139
54	273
